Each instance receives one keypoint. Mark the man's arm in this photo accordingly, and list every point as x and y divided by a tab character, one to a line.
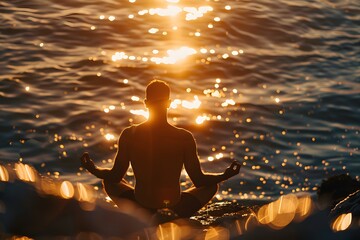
121	161
193	168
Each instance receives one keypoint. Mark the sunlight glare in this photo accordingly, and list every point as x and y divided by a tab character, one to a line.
140	112
193	13
66	190
174	55
169	231
24	172
342	222
165	12
193	104
4	175
201	119
109	136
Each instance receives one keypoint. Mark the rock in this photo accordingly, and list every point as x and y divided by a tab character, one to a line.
163	216
351	204
335	189
26	212
215	213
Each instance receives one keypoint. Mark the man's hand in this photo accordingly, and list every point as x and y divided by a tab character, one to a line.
87	163
233	170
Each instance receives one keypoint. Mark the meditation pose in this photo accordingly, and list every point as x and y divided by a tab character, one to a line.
157	152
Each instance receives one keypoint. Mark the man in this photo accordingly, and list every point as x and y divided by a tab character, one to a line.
157	152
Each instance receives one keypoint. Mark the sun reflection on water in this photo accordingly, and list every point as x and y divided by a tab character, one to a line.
191	13
174	55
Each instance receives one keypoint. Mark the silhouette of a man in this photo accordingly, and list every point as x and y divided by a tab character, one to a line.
157	152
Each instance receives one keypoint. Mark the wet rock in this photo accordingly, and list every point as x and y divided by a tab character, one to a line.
351	204
335	189
216	213
26	212
163	216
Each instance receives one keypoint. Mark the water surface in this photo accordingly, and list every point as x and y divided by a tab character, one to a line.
274	84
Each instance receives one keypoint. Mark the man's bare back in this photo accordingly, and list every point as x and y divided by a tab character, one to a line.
157	166
157	152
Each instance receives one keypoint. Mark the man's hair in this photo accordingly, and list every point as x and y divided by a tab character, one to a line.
157	90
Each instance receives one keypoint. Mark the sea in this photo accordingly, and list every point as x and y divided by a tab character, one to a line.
274	85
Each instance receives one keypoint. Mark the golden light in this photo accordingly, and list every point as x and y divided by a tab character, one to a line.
304	207
174	104
85	194
24	172
4	175
342	222
193	13
143	12
263	216
202	119
165	12
119	56
217	19
228	102
193	104
238	227
174	55
203	50
283	211
153	30
109	137
217	233
66	190
140	112
168	231
135	98
225	56
219	156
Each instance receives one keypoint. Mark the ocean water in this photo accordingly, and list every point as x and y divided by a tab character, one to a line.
275	84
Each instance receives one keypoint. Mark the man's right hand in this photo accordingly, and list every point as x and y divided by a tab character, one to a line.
233	170
87	163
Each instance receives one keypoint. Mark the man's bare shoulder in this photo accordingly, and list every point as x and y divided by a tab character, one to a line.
128	131
184	134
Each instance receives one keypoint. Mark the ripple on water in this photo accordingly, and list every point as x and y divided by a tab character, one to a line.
277	82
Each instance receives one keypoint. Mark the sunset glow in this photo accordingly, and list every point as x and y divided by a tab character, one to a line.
174	55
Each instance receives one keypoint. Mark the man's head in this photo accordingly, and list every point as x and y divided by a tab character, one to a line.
157	93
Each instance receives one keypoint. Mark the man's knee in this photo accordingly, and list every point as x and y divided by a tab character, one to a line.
214	188
108	186
105	183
